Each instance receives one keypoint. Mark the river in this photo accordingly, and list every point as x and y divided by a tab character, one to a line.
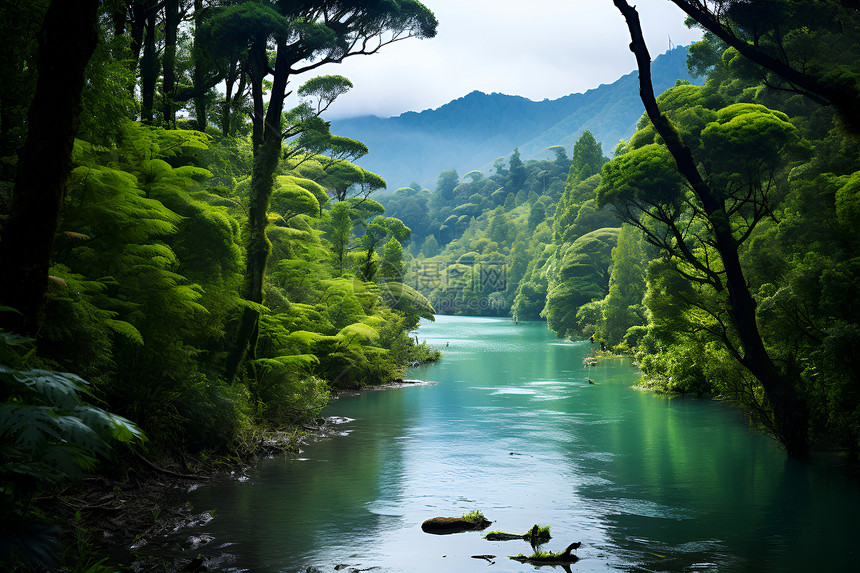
511	426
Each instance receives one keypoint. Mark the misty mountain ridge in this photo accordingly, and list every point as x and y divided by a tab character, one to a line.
471	132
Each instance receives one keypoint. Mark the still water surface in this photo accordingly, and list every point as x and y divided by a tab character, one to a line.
512	427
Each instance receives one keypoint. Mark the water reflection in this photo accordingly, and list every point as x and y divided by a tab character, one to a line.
513	428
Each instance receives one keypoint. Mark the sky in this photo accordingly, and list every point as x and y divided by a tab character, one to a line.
538	49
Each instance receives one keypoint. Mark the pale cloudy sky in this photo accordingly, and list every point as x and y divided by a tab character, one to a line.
534	48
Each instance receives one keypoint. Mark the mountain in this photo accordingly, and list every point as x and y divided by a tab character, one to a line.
472	131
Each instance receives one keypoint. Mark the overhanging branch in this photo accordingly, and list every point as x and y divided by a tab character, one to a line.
846	101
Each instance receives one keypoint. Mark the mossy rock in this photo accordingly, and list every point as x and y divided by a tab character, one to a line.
446	525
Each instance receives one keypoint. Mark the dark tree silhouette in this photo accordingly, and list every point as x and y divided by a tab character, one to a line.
66	42
790	416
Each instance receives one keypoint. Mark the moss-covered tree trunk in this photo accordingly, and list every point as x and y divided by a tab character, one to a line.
257	251
789	411
267	139
66	43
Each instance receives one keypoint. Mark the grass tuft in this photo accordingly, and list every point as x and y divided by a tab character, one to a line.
474	516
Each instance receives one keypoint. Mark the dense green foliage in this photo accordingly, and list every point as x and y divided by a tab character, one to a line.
149	269
48	435
173	232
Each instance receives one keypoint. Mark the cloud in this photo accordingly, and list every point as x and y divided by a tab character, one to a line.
537	49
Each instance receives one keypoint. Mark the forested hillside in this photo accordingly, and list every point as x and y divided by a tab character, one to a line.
471	132
733	279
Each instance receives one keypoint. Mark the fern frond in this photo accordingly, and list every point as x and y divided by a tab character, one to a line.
126	330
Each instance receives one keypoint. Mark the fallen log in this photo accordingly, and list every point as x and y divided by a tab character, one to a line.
541	558
537	535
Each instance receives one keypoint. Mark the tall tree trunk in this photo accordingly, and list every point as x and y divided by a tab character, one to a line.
118	17
198	73
148	70
226	110
790	415
67	41
139	11
19	29
233	97
257	70
257	251
238	98
171	25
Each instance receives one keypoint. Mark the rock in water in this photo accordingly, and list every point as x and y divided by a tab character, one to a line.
445	525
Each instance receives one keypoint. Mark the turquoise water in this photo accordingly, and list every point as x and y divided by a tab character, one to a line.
512	427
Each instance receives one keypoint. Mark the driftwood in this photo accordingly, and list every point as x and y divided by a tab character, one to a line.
565	556
166	471
502	536
536	535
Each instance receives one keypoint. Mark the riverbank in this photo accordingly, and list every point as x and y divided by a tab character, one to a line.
118	521
115	521
396	384
117	515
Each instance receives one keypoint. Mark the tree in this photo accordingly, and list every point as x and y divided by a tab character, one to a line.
500	229
145	14
445	185
392	261
20	23
340	233
67	40
430	248
622	307
560	156
411	207
587	158
536	215
516	172
376	230
717	220
305	36
171	32
345	180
